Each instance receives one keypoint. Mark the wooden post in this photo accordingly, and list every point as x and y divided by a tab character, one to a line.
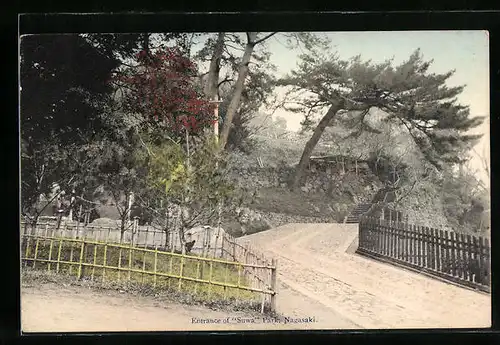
428	247
154	236
406	248
198	276
447	252
36	251
143	266
380	229
216	241
437	241
146	238
222	247
419	246
94	261
401	240
59	255
129	263
453	254
81	260
468	257
210	278
120	259
445	257
27	251
413	242
462	267
394	242
487	262
155	265
104	262
181	272
247	250
432	252
481	267
170	268
172	246
273	284
71	257
239	275
384	241
474	268
50	253
263	302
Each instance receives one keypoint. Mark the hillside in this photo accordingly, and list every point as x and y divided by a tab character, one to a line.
327	194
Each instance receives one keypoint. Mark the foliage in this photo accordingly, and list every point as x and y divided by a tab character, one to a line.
64	91
188	186
160	89
465	201
410	96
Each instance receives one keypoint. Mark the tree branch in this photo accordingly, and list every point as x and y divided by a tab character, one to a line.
264	38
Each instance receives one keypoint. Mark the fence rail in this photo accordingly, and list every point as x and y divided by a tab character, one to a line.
463	259
86	253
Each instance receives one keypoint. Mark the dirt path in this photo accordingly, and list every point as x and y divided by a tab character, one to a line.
55	308
320	280
324	278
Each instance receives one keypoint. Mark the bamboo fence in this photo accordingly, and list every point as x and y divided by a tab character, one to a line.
219	267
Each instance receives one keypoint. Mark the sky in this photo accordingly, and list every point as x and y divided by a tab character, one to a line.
466	52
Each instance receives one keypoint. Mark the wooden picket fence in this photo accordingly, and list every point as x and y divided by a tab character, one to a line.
238	272
463	259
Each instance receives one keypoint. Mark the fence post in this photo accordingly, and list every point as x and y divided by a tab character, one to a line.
234	250
481	261
453	245
59	255
104	262
475	262
413	242
487	262
181	272
36	251
155	266
361	234
81	259
437	239
222	247
393	243
273	284
432	241
462	268
445	257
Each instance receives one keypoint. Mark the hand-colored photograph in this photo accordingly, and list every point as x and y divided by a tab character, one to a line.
227	181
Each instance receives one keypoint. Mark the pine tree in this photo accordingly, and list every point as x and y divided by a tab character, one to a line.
411	96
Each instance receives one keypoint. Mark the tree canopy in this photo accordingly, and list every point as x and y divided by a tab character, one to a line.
411	96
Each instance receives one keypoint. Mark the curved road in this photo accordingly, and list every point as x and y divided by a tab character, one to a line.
320	276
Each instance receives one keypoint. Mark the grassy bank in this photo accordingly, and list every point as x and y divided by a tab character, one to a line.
133	274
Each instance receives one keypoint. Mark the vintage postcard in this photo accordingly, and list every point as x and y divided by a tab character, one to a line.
185	181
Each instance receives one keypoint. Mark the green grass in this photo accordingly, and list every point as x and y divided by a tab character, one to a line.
144	261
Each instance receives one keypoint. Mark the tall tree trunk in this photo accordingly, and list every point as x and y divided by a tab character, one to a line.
311	144
238	89
122	227
145	42
213	72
